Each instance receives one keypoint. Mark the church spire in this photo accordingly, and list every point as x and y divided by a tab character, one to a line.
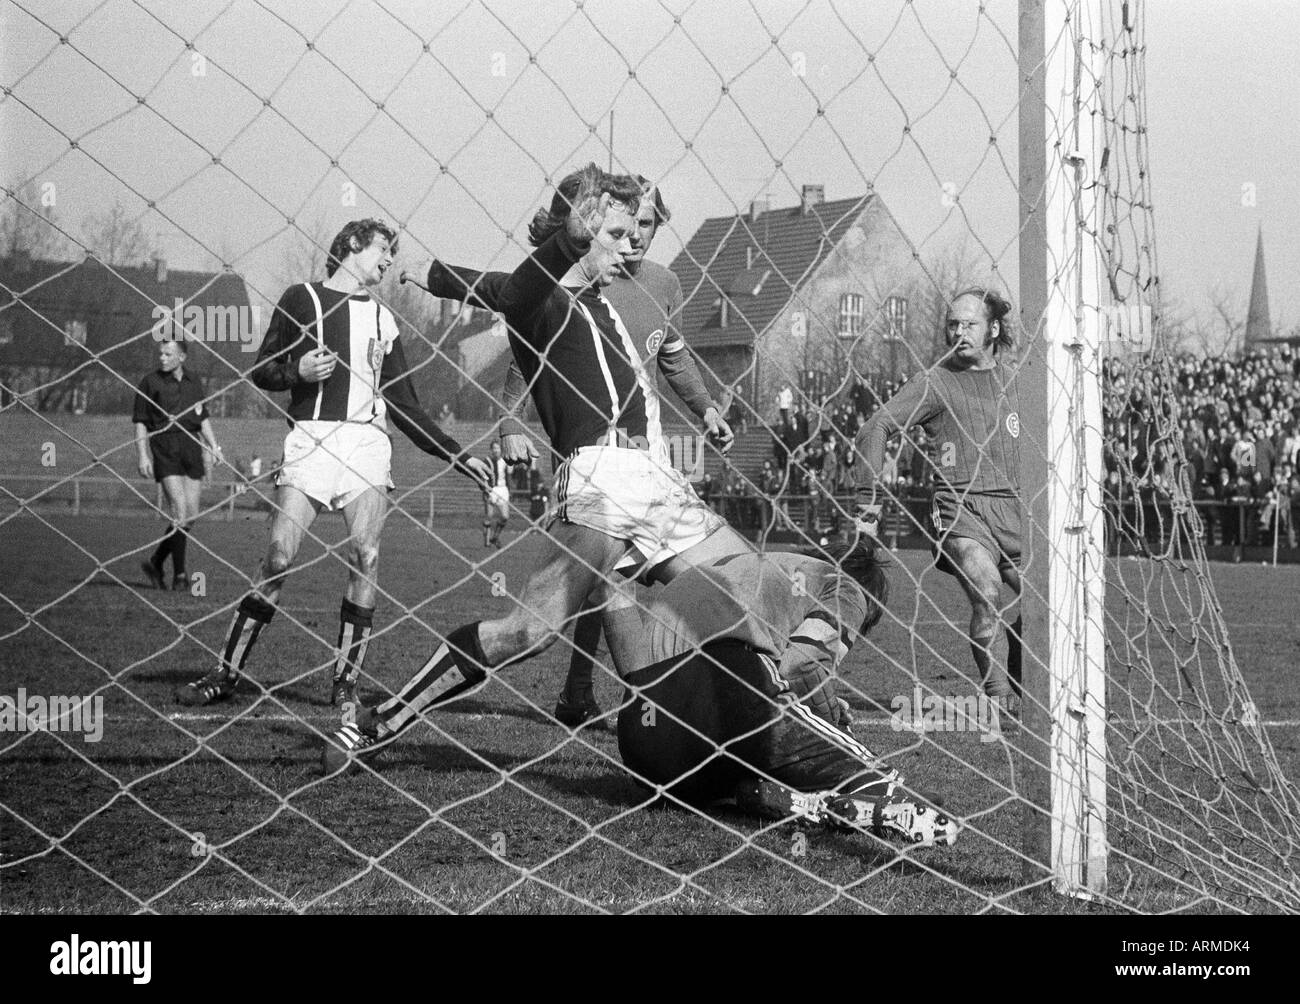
1258	327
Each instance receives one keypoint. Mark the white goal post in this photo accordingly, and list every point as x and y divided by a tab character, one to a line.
1064	567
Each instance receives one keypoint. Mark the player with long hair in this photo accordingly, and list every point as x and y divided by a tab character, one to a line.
647	298
969	407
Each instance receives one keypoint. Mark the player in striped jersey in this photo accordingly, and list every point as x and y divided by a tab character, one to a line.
713	714
619	502
648	298
336	350
496	499
970	408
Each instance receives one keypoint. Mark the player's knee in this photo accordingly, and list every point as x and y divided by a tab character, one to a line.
988	597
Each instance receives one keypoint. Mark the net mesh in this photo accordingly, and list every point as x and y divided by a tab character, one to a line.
246	132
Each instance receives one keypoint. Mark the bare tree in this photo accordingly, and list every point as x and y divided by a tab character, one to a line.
305	252
28	225
1227	321
946	270
117	238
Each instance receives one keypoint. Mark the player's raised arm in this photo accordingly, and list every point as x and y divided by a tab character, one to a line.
414	422
475	288
537	276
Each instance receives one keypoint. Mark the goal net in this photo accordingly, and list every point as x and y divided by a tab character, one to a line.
834	174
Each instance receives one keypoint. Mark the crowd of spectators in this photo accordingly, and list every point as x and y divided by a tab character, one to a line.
1238	423
811	462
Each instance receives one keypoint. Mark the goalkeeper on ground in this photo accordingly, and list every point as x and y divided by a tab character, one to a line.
737	695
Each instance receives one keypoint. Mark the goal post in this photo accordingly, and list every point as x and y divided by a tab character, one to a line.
1064	747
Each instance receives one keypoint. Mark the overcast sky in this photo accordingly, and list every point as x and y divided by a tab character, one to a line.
1221	97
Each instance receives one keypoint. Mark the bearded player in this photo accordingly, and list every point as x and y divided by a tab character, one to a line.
335	348
648	299
969	406
619	502
714	715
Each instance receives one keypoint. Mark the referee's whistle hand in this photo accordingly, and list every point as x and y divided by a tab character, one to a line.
317	365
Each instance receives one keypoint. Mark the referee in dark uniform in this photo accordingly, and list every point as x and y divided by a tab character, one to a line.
171	426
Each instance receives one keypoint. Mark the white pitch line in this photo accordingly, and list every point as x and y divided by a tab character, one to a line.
1284	723
872	720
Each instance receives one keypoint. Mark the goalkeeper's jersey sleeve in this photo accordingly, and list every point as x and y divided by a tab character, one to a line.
757	599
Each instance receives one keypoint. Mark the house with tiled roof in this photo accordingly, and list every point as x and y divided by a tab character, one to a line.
812	296
78	336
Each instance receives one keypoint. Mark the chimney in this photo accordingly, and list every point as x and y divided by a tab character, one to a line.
159	267
757	208
813	195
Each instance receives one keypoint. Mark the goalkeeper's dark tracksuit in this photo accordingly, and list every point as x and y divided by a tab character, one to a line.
713	705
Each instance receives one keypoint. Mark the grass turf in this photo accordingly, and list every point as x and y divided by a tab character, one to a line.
493	807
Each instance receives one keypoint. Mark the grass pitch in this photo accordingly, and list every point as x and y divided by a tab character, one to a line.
493	807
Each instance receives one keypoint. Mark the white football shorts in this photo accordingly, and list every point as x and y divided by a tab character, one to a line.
631	495
496	504
335	462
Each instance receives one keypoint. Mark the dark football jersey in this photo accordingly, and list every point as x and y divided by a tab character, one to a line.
972	418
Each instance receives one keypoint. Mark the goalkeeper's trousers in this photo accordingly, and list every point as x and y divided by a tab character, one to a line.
704	721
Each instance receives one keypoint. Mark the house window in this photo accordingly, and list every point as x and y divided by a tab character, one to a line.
852	306
74	333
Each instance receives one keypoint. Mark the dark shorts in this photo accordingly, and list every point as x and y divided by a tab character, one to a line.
706	721
992	520
176	453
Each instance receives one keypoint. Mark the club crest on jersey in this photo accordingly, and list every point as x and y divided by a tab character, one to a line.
1013	424
655	340
375	354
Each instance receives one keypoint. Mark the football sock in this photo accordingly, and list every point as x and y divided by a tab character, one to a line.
252	615
163	549
578	686
354	635
1013	655
993	677
458	665
180	538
